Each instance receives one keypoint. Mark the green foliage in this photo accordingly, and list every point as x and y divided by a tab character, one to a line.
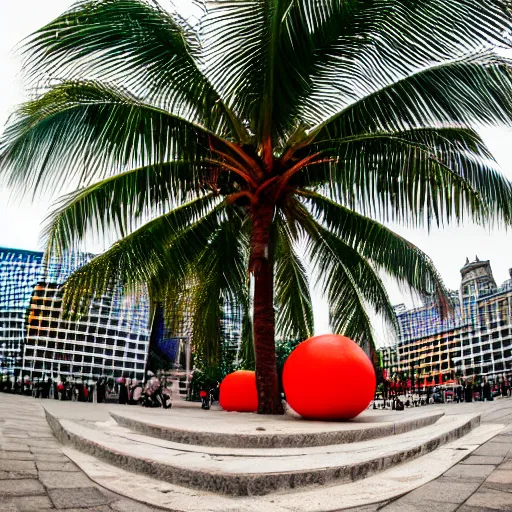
207	375
339	115
283	349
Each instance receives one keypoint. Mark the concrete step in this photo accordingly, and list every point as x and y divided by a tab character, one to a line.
252	471
210	428
383	486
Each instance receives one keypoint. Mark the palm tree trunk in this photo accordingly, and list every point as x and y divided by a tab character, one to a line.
269	399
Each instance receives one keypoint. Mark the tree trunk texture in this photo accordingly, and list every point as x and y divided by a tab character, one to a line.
269	399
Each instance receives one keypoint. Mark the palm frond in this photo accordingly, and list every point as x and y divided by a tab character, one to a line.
81	131
235	35
134	44
388	41
381	246
291	287
220	281
167	244
466	90
349	282
120	202
415	177
309	31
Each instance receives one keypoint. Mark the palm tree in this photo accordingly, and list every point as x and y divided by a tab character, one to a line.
257	138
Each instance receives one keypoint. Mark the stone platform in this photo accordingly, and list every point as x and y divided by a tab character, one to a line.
235	430
469	474
190	459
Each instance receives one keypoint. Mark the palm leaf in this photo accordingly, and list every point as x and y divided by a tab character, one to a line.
219	275
350	284
385	249
414	177
136	45
81	131
121	201
292	295
390	40
438	94
166	245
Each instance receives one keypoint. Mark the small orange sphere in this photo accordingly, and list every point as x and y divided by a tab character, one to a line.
238	392
328	377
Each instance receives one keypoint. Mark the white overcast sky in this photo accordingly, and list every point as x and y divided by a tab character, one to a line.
20	222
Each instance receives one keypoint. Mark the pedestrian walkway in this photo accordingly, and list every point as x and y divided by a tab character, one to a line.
480	483
36	476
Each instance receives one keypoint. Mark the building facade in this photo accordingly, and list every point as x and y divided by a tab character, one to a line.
111	339
19	272
114	337
474	342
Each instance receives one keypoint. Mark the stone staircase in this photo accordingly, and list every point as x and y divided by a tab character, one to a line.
234	461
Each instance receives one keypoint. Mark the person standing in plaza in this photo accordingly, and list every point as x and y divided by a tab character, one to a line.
504	387
123	391
486	390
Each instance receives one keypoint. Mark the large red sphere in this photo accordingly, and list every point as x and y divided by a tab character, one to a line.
328	377
238	392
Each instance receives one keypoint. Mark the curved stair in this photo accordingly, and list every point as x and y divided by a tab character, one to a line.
251	471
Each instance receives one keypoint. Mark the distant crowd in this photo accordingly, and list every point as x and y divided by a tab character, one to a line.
154	392
397	397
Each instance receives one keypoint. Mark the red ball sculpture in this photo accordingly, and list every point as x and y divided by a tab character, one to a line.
238	392
328	377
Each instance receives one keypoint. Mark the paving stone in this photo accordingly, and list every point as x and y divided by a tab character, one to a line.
467	508
486	460
17	475
38	450
50	457
11	447
493	449
17	465
470	472
444	490
125	505
491	499
45	443
367	508
29	503
60	480
94	509
506	465
41	434
422	505
21	487
57	466
501	480
78	498
503	438
16	456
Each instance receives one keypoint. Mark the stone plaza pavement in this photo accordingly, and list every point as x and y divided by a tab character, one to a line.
35	475
480	483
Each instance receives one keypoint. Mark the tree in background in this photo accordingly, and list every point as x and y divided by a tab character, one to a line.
263	137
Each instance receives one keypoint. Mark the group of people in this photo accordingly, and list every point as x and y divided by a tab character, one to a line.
467	391
483	391
155	392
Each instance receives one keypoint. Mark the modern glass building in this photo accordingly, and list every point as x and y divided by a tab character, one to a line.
475	342
111	339
19	272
